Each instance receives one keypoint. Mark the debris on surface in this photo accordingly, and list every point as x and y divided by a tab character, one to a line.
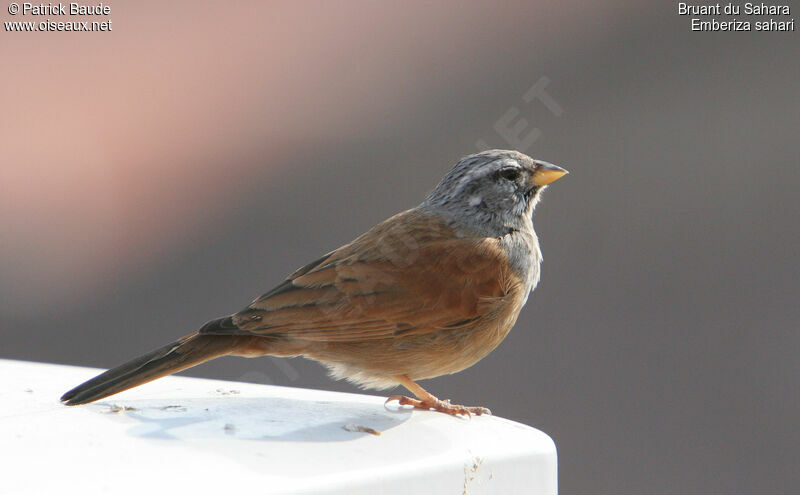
361	429
116	408
229	428
222	391
173	408
470	472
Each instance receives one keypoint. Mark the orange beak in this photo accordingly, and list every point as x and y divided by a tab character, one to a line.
546	173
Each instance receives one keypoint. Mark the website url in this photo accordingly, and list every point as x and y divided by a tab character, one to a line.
52	26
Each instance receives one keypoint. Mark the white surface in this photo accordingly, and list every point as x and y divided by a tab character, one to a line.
187	435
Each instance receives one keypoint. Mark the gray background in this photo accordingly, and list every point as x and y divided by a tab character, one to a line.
660	350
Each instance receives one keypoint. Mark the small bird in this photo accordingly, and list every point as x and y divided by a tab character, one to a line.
428	292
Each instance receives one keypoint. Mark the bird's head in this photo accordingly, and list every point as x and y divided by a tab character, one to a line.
496	189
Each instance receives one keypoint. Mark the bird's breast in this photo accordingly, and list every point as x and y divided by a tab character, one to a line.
524	256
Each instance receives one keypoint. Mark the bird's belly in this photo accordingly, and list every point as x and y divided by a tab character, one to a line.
373	364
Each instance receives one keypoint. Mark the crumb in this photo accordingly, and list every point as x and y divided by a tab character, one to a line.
360	429
469	474
227	392
116	408
173	408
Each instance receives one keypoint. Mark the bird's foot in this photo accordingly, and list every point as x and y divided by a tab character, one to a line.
440	405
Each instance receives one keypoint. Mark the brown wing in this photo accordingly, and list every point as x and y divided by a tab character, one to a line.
408	275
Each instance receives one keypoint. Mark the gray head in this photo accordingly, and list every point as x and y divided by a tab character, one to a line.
494	191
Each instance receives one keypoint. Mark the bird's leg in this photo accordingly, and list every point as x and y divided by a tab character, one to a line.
425	400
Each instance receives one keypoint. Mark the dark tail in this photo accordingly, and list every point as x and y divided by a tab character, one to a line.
181	354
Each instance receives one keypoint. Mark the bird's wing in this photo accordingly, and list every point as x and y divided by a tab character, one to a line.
408	275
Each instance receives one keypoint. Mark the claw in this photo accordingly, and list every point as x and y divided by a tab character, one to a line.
443	406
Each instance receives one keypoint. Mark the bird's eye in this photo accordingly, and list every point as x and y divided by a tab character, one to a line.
511	174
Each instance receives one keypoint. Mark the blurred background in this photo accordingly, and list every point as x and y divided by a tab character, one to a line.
169	171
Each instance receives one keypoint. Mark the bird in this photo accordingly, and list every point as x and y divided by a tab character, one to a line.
428	292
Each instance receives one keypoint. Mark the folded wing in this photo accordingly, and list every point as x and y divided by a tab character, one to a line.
407	276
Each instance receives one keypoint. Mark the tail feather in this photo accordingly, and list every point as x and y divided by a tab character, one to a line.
179	355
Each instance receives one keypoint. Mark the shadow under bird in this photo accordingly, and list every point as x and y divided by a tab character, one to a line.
428	292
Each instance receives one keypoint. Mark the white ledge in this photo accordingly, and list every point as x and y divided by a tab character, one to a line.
189	435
